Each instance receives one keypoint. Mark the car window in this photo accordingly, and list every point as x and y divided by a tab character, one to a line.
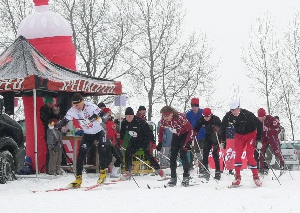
296	145
287	146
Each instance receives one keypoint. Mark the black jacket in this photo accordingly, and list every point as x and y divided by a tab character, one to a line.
46	114
138	129
244	123
211	126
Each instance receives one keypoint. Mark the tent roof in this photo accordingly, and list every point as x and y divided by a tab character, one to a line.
23	68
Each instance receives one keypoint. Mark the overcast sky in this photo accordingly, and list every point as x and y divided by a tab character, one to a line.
227	25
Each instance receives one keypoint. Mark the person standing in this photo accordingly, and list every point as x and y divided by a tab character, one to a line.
164	150
182	137
271	129
193	115
89	117
142	113
281	132
212	124
54	142
247	133
140	137
47	112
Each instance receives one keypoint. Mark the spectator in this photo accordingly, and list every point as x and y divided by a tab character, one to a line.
281	134
164	158
47	112
54	142
101	105
142	113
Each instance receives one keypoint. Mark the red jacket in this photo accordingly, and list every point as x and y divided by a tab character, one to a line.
111	131
177	126
270	128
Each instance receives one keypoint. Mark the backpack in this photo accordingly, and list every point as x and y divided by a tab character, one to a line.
27	166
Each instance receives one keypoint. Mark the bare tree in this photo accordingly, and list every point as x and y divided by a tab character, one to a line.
261	59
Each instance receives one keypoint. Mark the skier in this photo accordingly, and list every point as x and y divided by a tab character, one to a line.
247	133
193	115
211	123
271	129
140	137
88	116
181	141
142	113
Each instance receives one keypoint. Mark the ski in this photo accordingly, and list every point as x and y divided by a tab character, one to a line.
97	185
233	186
164	178
156	187
167	186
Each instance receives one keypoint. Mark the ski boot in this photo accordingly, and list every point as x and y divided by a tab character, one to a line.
231	172
217	175
126	176
102	176
237	180
257	181
185	182
172	182
76	183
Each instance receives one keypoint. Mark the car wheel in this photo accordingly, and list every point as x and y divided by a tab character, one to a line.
6	165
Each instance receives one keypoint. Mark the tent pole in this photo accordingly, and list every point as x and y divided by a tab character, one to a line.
35	133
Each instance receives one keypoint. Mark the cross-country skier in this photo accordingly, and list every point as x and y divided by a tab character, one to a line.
211	123
181	141
271	129
88	116
247	132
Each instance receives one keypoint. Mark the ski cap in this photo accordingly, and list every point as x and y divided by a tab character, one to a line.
206	112
261	112
234	104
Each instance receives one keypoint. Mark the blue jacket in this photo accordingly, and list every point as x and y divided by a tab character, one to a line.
167	137
193	118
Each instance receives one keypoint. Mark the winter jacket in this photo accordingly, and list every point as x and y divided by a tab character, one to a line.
138	130
46	114
270	128
245	123
111	131
193	118
211	126
167	137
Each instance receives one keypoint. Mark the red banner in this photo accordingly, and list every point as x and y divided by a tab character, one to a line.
227	155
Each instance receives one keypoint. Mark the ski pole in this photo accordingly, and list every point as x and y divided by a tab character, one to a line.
258	150
220	146
205	168
141	160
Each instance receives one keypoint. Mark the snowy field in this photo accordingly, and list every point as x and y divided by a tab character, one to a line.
126	196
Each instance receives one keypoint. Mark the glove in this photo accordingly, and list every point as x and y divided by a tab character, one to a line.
158	146
94	117
223	145
216	128
188	146
258	145
120	144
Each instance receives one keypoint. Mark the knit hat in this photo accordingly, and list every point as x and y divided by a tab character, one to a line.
101	104
129	111
276	117
106	110
141	108
261	112
48	99
206	111
195	101
234	104
77	98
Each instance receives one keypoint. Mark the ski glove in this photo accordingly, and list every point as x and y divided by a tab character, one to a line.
94	117
158	146
258	145
223	145
188	146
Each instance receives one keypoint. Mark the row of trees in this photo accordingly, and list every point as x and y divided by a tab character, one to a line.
137	42
274	67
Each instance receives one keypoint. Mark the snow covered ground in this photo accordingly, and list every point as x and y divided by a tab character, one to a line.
126	196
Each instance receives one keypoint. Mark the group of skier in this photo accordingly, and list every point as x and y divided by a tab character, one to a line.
194	134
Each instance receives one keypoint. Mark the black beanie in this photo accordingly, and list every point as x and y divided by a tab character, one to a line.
77	98
141	108
129	111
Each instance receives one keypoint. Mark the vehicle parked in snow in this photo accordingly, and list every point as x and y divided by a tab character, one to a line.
290	154
12	150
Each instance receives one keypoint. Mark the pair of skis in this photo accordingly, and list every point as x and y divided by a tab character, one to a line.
88	188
